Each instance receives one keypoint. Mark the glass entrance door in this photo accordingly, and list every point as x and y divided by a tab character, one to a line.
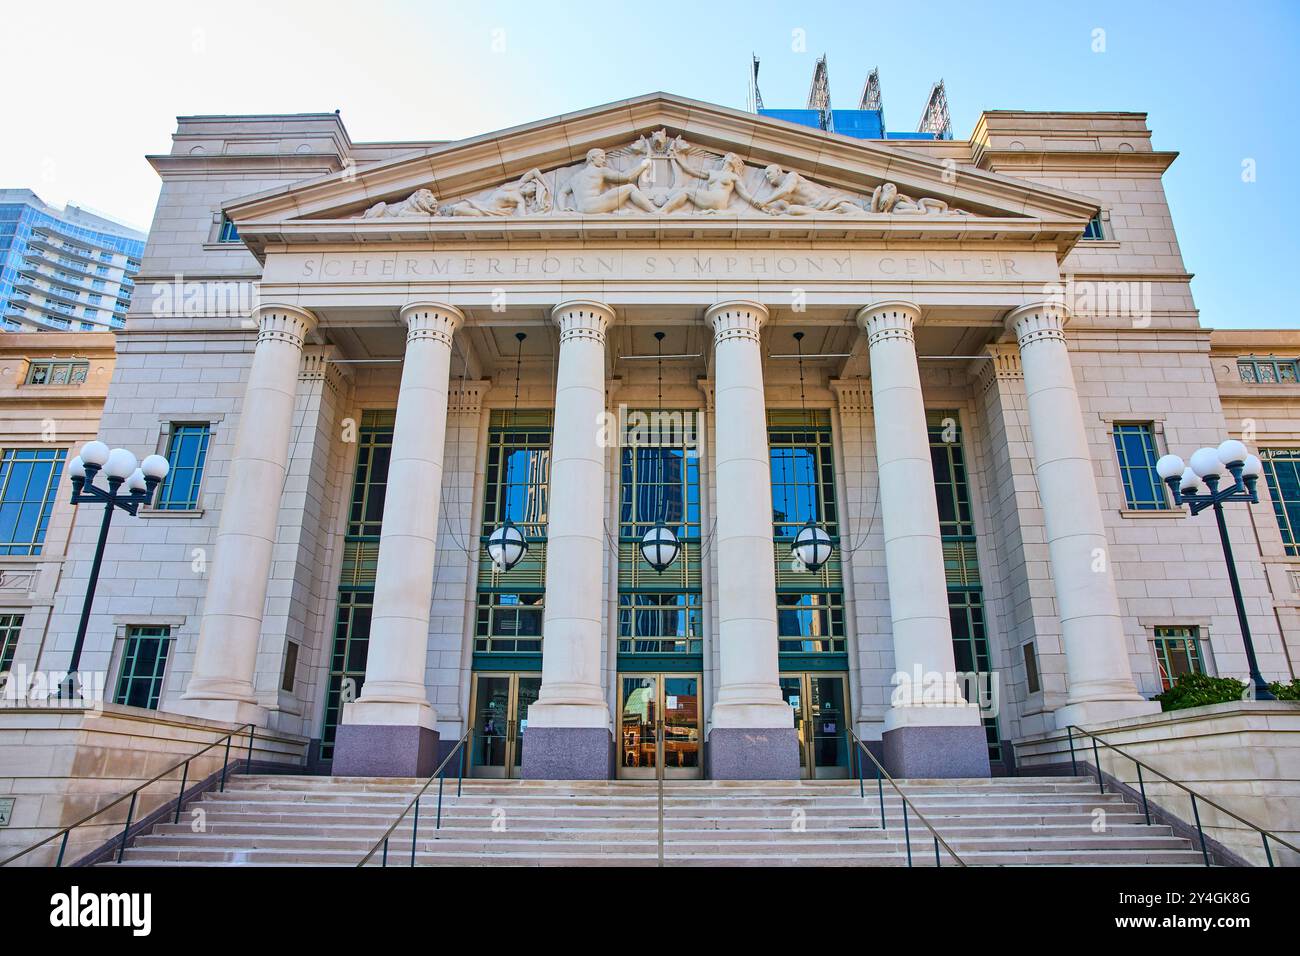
821	708
500	712
644	701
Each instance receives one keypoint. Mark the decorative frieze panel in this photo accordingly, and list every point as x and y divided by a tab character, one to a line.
663	175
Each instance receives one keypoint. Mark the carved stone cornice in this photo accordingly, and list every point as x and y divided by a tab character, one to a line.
853	395
431	321
583	319
739	319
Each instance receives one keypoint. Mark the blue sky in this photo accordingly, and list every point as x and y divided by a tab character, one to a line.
1218	80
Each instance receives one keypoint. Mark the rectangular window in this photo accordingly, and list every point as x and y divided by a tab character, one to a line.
1282	472
347	671
228	231
29	482
1135	447
660	623
659	481
1177	653
143	663
518	471
290	675
187	451
509	623
1032	683
1094	228
516	480
1268	371
10	626
810	623
57	373
970	643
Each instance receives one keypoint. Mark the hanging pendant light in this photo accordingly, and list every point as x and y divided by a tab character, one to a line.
812	546
659	546
506	545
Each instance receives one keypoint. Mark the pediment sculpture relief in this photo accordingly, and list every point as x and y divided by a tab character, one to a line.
661	176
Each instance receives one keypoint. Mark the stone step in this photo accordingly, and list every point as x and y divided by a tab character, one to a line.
254	824
293	820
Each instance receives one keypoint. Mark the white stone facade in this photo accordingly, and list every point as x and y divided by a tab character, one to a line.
317	246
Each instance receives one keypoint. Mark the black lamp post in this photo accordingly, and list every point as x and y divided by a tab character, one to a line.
1207	465
141	482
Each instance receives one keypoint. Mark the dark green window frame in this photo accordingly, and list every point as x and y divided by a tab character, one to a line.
29	483
809	605
347	661
516	483
659	479
144	663
509	622
517	475
187	453
970	642
351	642
1282	472
1135	449
665	622
11	626
229	232
56	372
1256	370
1178	652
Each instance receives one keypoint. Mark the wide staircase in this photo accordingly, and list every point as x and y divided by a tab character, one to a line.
334	821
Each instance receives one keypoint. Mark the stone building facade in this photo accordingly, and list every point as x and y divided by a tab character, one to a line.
998	338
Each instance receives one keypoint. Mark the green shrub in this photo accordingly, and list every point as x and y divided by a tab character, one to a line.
1197	690
1283	691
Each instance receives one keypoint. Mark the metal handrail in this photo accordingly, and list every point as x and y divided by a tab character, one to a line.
1141	765
659	781
462	746
881	776
251	729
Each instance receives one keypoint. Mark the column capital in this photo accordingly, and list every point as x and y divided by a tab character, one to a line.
582	319
1038	321
431	320
736	319
283	323
891	319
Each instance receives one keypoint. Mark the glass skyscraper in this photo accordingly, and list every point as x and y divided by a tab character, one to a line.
63	269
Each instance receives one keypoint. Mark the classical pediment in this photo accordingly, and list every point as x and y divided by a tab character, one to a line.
661	166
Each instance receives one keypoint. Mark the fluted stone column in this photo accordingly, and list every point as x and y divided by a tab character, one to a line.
751	728
930	729
569	732
1092	632
391	729
225	660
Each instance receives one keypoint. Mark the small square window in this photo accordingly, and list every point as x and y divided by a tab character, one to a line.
1094	228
